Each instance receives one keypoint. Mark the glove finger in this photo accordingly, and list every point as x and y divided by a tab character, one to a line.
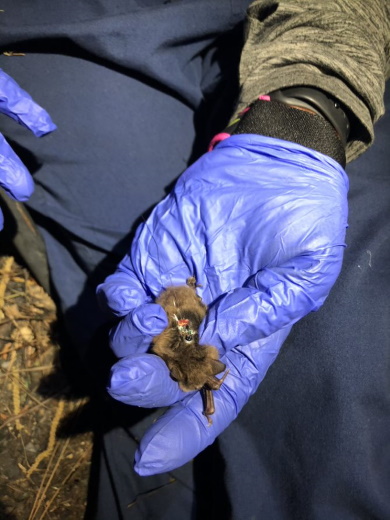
14	176
144	380
273	298
121	292
183	431
134	333
18	104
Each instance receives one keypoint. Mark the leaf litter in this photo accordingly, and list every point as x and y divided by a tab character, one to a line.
42	475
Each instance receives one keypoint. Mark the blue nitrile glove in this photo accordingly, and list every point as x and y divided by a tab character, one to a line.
260	223
17	104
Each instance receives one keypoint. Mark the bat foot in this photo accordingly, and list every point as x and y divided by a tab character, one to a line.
223	378
207	393
209	419
214	383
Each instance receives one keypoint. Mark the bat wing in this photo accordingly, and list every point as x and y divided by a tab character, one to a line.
216	366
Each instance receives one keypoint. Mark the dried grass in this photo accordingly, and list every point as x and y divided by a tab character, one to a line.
41	476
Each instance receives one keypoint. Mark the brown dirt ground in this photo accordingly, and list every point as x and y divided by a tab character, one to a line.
42	476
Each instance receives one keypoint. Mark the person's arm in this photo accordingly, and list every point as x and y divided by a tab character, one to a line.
340	47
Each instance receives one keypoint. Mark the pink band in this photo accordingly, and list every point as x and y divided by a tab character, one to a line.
223	135
217	139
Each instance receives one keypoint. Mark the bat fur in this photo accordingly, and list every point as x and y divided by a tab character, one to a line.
192	365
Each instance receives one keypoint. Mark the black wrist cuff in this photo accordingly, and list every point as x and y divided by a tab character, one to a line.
320	102
277	119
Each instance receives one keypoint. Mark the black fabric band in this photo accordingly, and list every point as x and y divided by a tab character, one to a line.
320	103
276	119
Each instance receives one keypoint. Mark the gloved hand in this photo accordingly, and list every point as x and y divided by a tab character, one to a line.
17	104
260	223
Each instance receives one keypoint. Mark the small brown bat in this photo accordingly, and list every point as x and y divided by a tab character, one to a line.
192	365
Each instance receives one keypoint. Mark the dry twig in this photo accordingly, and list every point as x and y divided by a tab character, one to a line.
25	412
6	274
52	439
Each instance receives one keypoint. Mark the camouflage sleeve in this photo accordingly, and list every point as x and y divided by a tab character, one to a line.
339	46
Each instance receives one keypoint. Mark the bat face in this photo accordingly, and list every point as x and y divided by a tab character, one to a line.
186	326
186	332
